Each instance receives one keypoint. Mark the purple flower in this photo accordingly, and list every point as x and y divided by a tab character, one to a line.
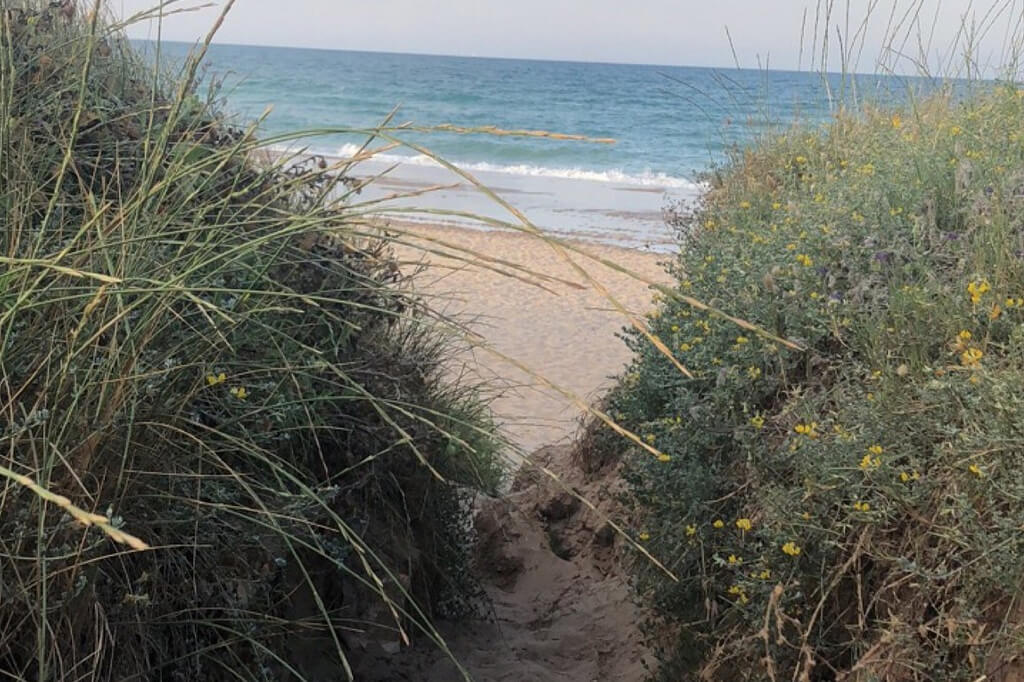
882	256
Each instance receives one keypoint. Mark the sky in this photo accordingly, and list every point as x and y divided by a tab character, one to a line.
684	32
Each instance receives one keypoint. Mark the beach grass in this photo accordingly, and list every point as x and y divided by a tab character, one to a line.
231	443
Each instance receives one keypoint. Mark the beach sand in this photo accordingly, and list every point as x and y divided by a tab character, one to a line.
548	317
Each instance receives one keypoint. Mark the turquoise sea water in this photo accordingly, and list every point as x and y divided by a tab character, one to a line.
669	124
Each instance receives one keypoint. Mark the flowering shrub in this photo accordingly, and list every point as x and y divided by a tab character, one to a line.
840	490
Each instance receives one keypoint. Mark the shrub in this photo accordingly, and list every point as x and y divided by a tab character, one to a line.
850	504
202	347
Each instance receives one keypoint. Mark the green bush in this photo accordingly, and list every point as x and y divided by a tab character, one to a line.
202	346
852	504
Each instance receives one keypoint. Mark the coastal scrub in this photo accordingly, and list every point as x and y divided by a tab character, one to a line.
872	471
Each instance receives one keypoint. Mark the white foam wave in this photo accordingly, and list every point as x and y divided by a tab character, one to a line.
644	179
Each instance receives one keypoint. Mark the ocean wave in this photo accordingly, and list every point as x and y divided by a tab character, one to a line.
645	179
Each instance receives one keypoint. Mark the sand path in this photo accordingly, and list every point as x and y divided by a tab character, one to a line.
562	608
531	305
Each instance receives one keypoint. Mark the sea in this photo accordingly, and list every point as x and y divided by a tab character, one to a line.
650	134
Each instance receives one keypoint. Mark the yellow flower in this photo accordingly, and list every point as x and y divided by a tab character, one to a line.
977	289
664	458
754	372
801	159
685	347
791	548
809	430
765	574
971	357
740	340
776	205
804	260
867	169
955	130
896	121
867	462
735	560
213	380
239	392
861	506
719	523
976	470
906	477
875	449
744	524
738	592
691	531
650	438
806	516
757	421
644	536
744	204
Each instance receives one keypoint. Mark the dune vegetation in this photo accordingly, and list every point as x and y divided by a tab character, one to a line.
230	448
838	491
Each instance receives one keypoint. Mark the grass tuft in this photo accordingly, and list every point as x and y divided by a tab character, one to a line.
219	378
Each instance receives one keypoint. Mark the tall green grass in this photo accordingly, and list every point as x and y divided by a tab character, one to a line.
230	445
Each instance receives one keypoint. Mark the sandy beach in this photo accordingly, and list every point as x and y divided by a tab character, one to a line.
532	306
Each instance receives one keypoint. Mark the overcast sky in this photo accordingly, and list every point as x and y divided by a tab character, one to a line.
687	32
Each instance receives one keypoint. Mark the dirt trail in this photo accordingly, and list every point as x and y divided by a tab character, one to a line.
562	608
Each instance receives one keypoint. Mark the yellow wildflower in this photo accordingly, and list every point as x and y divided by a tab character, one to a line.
804	260
791	548
644	536
754	372
906	477
976	470
738	592
214	379
735	560
861	506
766	574
740	340
977	289
809	430
719	523
744	204
664	458
896	121
876	449
955	130
239	392
757	421
744	524
867	462
971	357
691	530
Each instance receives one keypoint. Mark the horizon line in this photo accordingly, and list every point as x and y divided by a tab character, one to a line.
544	59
